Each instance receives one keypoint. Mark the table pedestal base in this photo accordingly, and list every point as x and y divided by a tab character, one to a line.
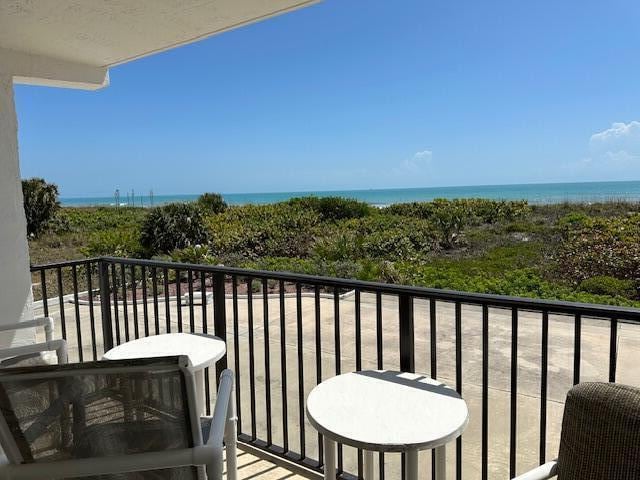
200	395
411	462
329	459
441	462
368	464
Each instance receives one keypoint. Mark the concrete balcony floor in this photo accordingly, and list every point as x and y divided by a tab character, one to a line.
251	467
267	331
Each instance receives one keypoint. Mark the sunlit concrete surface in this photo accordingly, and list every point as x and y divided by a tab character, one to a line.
251	467
594	364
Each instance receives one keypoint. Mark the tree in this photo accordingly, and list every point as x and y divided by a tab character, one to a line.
212	202
40	204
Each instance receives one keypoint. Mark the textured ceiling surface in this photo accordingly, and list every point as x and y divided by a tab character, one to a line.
109	32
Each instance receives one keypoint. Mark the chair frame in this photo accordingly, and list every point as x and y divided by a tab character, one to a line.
543	472
206	452
49	345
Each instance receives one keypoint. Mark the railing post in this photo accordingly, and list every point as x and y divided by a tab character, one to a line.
105	304
407	349
220	318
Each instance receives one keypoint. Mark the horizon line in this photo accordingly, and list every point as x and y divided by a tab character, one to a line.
358	189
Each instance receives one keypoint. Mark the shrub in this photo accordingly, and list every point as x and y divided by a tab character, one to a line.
450	217
614	208
122	242
600	247
447	216
474	210
40	204
523	282
283	264
94	219
574	220
333	208
212	203
377	237
483	210
254	231
369	270
193	254
173	226
604	285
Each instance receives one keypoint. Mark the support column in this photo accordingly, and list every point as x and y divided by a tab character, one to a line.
16	300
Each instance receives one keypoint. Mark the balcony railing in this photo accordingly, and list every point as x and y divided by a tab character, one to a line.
512	359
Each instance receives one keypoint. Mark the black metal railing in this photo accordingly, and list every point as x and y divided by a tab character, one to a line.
510	357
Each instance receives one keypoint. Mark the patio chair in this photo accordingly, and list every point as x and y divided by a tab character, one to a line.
600	436
114	420
36	353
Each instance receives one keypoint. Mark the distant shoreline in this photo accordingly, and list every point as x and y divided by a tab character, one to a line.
543	193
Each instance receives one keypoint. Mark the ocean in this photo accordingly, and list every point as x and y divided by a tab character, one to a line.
538	193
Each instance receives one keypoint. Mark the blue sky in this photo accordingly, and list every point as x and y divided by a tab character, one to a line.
358	94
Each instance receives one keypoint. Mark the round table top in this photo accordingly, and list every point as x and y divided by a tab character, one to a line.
203	350
387	411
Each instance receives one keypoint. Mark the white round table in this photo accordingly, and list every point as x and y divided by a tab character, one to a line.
201	349
386	411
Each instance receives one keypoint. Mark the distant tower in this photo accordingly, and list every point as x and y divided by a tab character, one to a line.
117	197
133	197
151	197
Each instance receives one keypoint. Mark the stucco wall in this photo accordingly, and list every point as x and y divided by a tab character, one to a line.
15	281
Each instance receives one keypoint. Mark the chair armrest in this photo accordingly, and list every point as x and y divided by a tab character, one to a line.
543	472
221	410
59	346
46	322
223	430
82	467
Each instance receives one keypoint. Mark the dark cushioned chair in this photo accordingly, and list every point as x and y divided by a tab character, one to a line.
600	437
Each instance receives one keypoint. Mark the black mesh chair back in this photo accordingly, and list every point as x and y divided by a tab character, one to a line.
97	409
600	437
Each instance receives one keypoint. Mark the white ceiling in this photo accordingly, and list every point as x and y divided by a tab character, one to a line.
109	32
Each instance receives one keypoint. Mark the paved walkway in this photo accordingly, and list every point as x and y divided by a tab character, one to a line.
594	365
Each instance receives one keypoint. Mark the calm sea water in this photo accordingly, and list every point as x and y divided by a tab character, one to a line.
534	193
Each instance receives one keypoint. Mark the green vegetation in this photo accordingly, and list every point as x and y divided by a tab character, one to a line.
580	252
212	203
252	232
173	226
40	204
333	208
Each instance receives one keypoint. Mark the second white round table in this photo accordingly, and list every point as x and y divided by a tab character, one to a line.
201	349
386	411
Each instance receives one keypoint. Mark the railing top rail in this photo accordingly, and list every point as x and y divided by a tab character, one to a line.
498	301
64	263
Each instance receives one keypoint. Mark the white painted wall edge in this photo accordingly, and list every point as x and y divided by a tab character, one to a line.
31	69
16	299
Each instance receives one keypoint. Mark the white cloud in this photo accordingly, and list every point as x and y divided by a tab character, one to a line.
614	153
424	154
417	163
622	140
